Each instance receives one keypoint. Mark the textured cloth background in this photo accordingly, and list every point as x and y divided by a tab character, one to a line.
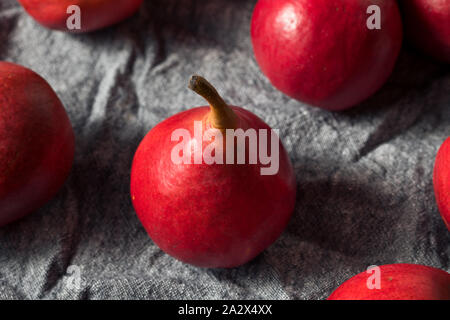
365	192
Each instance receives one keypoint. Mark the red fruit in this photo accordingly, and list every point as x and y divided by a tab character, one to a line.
398	282
36	142
321	52
427	25
441	181
210	215
95	14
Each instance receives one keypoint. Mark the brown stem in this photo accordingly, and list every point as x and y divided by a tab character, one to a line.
222	116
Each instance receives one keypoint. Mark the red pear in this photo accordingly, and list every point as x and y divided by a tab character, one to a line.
427	25
36	142
95	14
212	214
441	181
323	52
397	282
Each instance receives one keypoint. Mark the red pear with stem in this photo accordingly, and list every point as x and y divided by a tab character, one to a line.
210	215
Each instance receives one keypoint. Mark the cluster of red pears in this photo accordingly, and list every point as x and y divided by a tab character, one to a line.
320	52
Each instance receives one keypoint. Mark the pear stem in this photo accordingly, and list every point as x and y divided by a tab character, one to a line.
221	116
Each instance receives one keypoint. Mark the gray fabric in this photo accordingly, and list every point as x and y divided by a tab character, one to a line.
365	192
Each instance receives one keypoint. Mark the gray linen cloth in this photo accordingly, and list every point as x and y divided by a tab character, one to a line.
365	194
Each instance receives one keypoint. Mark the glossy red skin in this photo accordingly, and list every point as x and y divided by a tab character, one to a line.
441	181
398	282
95	14
36	142
321	52
427	26
209	215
